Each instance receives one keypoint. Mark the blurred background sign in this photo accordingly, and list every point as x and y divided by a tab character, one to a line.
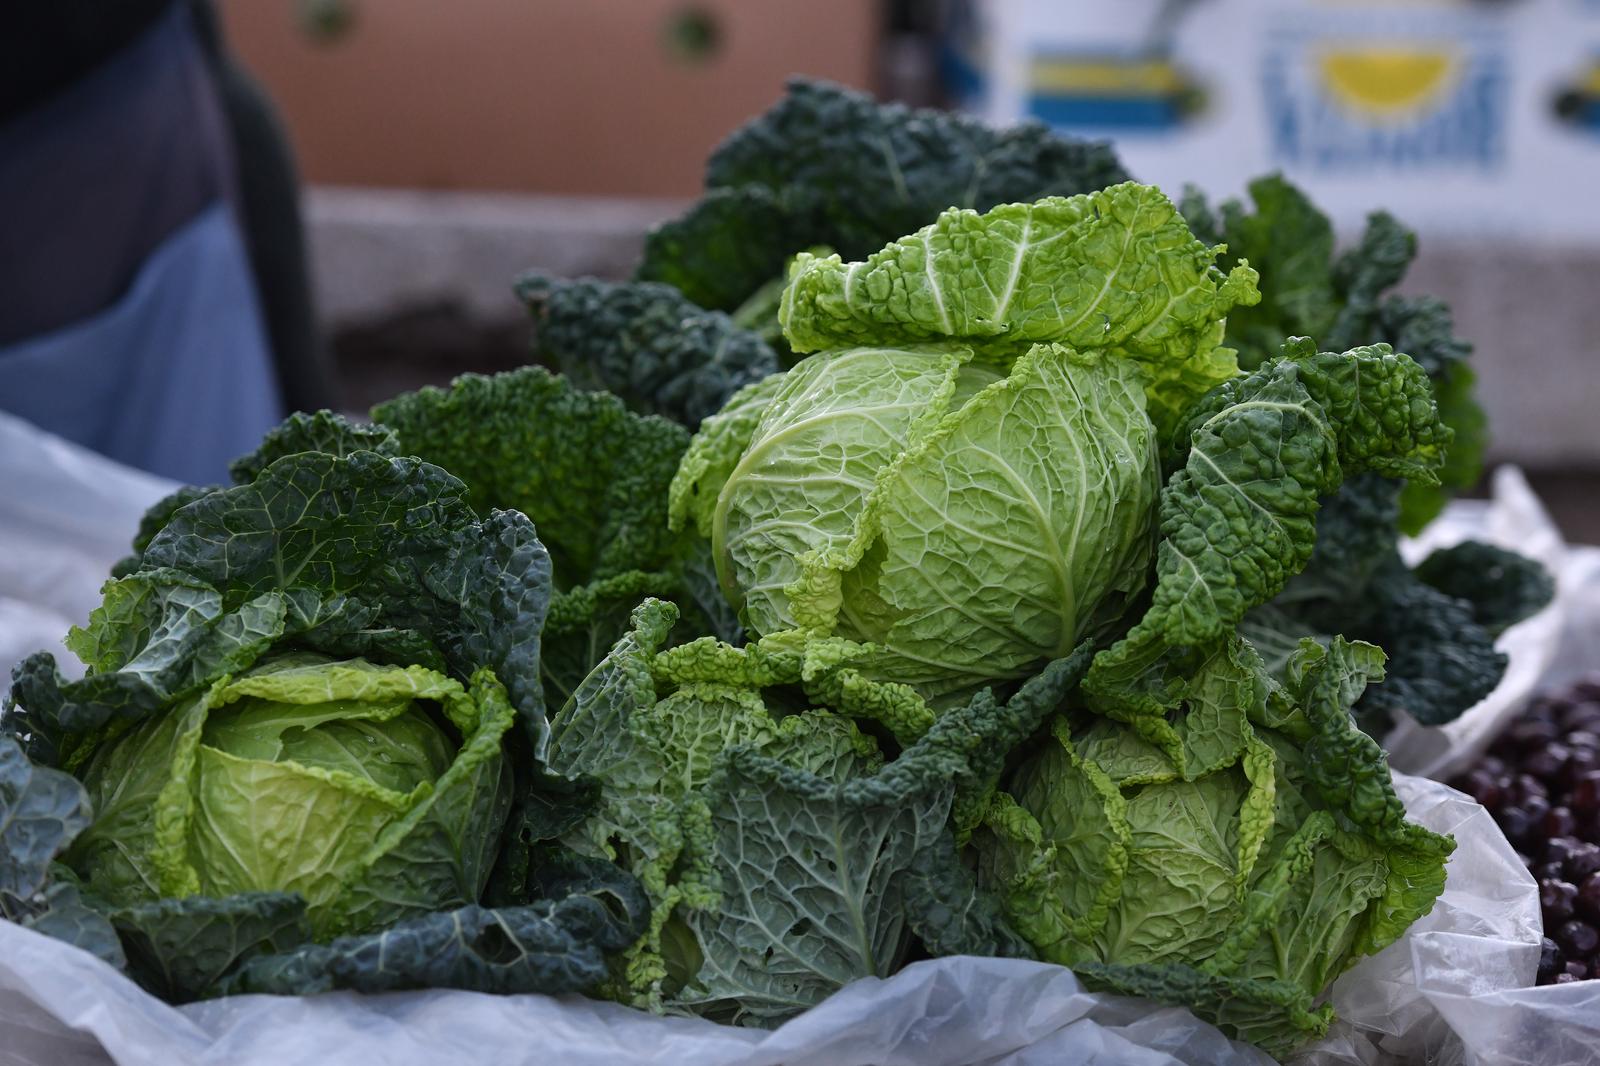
1464	117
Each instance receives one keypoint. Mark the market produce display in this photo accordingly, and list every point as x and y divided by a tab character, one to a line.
1019	585
1541	781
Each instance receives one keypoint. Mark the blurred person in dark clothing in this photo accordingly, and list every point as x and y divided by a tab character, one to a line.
154	301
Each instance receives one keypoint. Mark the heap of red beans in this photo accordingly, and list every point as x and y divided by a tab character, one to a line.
1541	781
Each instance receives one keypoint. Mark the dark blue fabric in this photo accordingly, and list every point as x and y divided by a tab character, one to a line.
174	378
129	320
97	177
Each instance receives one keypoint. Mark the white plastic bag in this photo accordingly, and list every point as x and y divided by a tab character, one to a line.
66	516
947	1012
1483	934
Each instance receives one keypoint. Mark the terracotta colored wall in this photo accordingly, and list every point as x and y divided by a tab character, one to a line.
559	96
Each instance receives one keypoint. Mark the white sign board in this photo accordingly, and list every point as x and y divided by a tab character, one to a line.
1470	118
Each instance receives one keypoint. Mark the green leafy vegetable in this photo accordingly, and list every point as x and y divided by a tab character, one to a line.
593	477
1237	519
1115	270
864	497
181	949
827	166
1439	621
1238	881
783	859
296	722
1502	586
556	946
884	481
319	777
41	811
645	343
1339	301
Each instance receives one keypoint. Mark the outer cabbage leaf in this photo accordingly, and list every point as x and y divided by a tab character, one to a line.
1502	586
1238	885
1238	517
798	485
555	946
1443	661
1340	302
645	343
1357	533
590	473
713	454
1363	273
158	636
729	245
1441	638
41	812
780	861
1458	408
822	877
397	533
830	166
654	754
1113	270
180	949
320	431
1291	243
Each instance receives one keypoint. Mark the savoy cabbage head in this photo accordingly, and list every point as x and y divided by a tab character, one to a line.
783	856
970	480
305	745
1239	879
340	780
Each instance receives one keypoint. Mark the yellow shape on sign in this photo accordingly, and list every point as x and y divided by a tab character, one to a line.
1386	81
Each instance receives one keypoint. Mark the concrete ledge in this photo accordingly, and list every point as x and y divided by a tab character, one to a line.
1532	312
375	251
1533	315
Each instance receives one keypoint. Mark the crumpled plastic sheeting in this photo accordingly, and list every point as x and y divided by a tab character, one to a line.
946	1012
1482	935
66	515
1515	519
1481	938
1556	1025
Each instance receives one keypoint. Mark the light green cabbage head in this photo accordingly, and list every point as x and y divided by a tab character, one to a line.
363	788
968	525
962	483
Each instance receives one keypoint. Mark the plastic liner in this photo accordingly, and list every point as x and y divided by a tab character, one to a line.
66	515
1481	938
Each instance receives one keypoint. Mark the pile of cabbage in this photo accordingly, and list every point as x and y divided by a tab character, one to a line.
964	633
